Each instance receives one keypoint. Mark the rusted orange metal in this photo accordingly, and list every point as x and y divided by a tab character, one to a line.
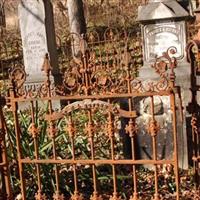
95	81
193	52
6	192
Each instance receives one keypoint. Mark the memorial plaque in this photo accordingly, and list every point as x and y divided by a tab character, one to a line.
159	37
33	32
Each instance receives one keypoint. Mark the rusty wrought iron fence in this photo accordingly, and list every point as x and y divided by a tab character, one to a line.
100	14
10	55
102	43
194	108
94	85
5	189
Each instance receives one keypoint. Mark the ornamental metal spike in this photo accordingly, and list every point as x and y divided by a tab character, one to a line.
95	196
40	196
58	196
76	196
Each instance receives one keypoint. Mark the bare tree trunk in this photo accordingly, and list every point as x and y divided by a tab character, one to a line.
76	22
2	13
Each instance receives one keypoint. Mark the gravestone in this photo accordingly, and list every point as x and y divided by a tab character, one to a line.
164	26
38	38
162	112
158	37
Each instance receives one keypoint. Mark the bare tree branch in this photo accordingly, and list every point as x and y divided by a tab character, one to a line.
62	8
2	3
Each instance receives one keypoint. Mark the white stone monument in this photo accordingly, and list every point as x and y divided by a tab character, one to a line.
33	34
38	38
164	26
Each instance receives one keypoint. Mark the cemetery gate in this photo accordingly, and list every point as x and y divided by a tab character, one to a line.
69	141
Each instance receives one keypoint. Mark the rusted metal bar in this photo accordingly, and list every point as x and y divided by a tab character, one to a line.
154	128
193	53
196	149
82	97
14	107
4	165
34	133
110	132
175	154
52	129
71	131
97	162
131	128
90	132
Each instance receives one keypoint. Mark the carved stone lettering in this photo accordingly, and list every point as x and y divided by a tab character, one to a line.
159	37
33	32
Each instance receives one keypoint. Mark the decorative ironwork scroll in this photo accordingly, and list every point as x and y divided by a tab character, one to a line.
193	53
83	137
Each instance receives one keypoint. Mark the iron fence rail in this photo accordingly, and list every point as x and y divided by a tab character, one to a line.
93	87
92	83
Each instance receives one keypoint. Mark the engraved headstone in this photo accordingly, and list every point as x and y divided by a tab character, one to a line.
38	37
164	136
163	26
159	37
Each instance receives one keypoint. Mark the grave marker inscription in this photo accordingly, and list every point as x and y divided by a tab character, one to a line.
159	37
164	26
34	33
38	39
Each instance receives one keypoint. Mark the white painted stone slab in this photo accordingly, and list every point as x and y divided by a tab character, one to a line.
34	39
159	37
